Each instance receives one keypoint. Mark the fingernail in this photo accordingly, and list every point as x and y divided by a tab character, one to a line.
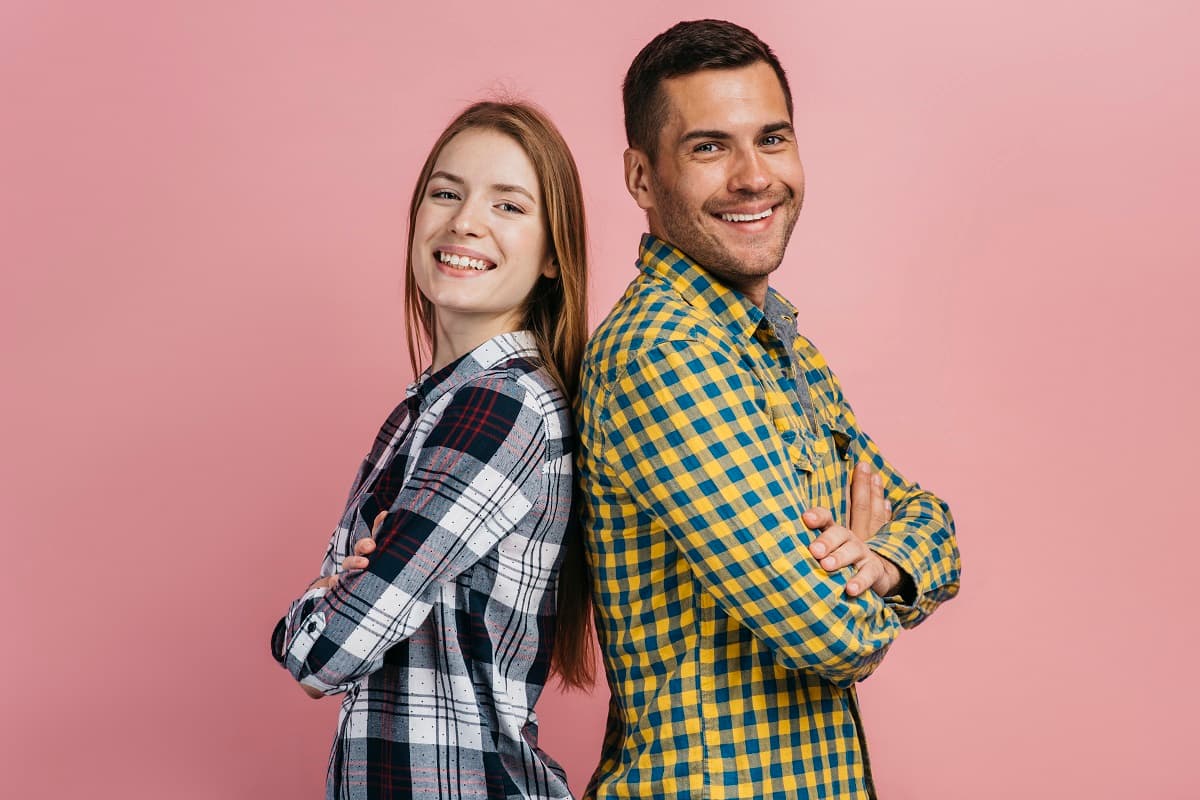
876	480
852	588
829	563
864	467
818	549
887	504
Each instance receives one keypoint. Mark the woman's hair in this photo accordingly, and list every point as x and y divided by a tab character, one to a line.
556	314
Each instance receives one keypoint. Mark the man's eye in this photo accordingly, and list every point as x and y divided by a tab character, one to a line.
706	147
772	141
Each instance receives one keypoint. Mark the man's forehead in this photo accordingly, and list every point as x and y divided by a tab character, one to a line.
724	99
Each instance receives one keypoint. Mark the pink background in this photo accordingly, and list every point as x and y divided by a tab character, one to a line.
202	233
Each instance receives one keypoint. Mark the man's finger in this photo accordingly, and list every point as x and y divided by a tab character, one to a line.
880	515
846	549
378	521
831	540
818	518
866	573
364	547
860	501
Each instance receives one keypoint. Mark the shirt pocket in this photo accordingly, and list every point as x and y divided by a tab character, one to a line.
835	469
790	428
797	455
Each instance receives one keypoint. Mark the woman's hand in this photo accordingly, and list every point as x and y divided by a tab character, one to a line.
362	549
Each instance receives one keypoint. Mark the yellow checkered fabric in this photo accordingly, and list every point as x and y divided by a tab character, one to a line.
707	426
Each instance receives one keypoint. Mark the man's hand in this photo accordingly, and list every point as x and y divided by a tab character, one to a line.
838	547
362	549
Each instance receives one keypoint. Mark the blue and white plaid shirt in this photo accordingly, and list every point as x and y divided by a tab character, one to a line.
442	645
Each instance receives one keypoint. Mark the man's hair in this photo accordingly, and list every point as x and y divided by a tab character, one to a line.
683	49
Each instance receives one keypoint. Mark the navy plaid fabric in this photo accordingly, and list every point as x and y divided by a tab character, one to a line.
707	426
442	645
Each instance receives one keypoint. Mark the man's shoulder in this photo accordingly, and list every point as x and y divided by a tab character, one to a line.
804	348
648	315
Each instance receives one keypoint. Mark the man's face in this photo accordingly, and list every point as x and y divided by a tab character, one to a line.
727	184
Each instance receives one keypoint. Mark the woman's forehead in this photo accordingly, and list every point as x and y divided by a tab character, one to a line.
482	158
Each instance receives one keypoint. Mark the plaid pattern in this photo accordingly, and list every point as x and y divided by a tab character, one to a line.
707	427
442	645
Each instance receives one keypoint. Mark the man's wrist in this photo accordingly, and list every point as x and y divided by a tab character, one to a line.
898	582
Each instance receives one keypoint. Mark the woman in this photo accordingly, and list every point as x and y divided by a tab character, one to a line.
443	638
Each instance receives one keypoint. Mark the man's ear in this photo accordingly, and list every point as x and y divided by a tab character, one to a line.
637	178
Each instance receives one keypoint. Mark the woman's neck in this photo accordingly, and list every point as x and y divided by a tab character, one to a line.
458	335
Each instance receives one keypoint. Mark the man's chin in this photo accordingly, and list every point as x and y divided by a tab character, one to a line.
754	260
749	248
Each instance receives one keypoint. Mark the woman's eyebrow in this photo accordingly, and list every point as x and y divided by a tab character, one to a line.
503	188
512	188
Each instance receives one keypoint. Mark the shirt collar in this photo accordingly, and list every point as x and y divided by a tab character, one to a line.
781	314
702	291
495	351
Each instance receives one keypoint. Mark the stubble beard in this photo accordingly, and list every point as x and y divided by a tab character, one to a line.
686	232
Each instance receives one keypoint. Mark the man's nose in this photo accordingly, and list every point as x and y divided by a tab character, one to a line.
750	173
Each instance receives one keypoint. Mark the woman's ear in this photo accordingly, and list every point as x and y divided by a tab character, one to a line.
550	270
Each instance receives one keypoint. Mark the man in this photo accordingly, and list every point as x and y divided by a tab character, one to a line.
718	459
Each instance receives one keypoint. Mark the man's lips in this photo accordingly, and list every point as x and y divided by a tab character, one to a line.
746	216
742	210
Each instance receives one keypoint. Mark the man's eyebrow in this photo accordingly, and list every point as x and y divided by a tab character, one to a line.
501	188
710	134
771	127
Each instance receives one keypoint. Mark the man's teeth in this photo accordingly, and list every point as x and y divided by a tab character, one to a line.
747	217
463	262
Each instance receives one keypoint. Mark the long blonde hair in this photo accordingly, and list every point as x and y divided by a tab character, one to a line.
556	314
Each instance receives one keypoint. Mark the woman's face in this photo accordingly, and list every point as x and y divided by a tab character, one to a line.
479	241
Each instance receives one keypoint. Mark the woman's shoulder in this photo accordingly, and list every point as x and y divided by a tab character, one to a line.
520	380
524	380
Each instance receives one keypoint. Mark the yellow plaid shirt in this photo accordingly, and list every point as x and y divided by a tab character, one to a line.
707	426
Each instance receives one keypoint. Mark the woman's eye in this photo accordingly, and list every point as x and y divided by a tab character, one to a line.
443	194
511	208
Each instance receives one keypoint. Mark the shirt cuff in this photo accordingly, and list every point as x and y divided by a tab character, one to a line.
277	637
904	600
286	629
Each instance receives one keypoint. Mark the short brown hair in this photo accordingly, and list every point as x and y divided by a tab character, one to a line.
685	48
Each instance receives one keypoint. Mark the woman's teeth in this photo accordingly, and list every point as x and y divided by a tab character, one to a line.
747	217
462	262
